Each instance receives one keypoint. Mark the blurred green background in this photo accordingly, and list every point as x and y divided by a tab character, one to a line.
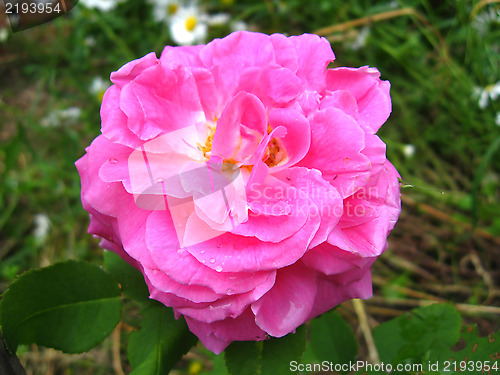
441	57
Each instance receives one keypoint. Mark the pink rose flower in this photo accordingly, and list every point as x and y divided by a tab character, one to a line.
245	180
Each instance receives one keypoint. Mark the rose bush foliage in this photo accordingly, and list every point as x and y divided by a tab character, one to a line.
307	197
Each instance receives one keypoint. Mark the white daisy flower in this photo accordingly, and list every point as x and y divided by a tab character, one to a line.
360	40
98	87
104	5
218	19
188	26
408	150
163	10
485	94
89	41
60	117
42	227
239	26
484	20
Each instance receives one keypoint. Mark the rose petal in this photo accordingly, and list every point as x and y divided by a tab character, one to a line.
371	94
182	267
244	111
313	55
288	304
336	144
218	335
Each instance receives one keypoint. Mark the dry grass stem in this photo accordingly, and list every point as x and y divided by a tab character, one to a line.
367	332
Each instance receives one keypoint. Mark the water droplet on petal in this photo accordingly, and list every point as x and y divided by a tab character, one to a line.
113	161
202	252
229	292
212	260
219	245
218	269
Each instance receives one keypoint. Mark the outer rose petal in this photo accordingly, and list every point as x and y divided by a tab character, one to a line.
371	94
275	87
165	284
285	52
239	50
131	70
176	57
227	306
101	196
218	335
329	293
331	260
373	213
161	100
114	121
313	54
288	304
182	267
132	228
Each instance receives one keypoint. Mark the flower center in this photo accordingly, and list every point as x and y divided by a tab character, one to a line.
274	153
172	9
191	22
207	148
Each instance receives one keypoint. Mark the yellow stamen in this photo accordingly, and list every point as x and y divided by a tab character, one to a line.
208	144
274	153
191	22
172	9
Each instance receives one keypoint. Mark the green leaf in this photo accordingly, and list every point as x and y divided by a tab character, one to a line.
477	351
269	357
160	343
71	306
216	361
130	279
331	339
244	357
409	336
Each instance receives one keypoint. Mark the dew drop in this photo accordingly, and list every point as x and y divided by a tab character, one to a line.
212	260
113	161
218	269
229	292
160	179
202	252
219	245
